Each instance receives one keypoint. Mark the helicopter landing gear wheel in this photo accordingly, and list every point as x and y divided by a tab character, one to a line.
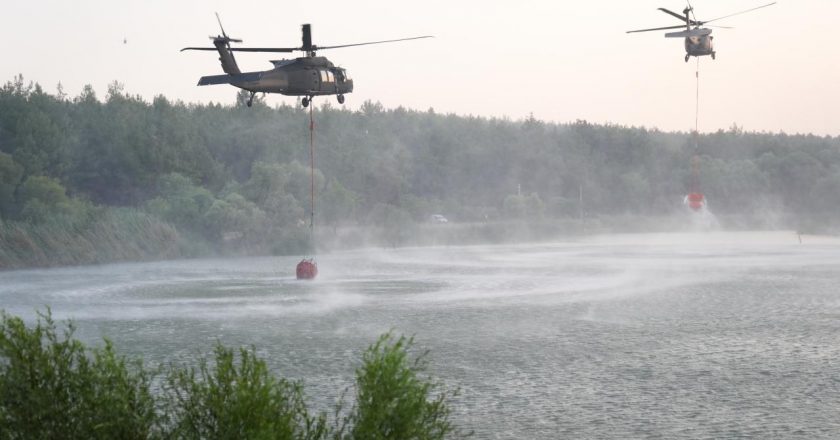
304	102
713	55
340	99
251	99
687	57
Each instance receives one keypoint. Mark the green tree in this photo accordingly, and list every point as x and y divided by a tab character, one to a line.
237	217
182	202
41	198
394	399
10	175
237	398
337	204
514	206
51	386
42	188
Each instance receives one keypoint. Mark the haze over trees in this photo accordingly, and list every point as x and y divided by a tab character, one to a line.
90	179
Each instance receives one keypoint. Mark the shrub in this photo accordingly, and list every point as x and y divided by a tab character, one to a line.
393	400
51	388
237	400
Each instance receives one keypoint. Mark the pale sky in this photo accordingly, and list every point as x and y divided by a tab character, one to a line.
777	70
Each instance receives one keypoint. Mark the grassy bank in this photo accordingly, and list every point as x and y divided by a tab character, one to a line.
125	234
107	235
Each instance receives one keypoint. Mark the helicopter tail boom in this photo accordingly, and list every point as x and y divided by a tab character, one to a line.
241	78
226	57
215	80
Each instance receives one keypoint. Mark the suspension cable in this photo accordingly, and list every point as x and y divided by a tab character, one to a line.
311	177
694	158
697	105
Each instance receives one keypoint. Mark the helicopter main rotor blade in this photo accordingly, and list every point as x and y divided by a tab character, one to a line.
198	48
657	29
264	49
680	17
691	9
228	39
370	42
738	13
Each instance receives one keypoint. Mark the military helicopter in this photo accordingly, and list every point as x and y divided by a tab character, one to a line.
698	41
306	76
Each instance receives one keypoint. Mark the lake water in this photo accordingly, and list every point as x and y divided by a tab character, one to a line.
708	335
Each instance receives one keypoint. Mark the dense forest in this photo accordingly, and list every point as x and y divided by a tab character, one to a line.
86	179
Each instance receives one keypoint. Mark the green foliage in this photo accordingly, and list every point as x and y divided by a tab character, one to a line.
186	164
181	202
41	197
88	235
235	216
281	190
394	223
393	400
51	386
10	175
238	399
43	189
518	206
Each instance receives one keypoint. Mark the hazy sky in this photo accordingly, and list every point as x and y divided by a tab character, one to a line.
777	70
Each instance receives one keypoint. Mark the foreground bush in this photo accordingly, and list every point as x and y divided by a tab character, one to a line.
392	399
52	386
238	400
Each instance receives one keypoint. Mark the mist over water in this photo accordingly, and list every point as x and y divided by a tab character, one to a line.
690	335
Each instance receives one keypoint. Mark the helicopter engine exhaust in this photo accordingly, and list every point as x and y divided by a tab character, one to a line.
306	37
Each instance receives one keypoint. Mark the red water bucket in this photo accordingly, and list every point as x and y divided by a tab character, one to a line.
695	201
306	269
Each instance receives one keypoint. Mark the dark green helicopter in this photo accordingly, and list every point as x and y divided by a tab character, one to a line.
698	40
306	76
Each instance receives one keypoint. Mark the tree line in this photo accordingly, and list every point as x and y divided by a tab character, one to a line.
134	179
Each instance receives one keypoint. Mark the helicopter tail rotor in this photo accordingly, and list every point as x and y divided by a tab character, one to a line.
222	45
224	36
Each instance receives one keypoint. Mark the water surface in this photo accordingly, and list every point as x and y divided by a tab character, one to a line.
715	335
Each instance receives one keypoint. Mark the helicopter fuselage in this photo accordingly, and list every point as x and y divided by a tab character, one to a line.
698	41
699	45
306	76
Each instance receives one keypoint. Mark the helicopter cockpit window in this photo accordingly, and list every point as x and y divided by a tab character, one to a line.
326	76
